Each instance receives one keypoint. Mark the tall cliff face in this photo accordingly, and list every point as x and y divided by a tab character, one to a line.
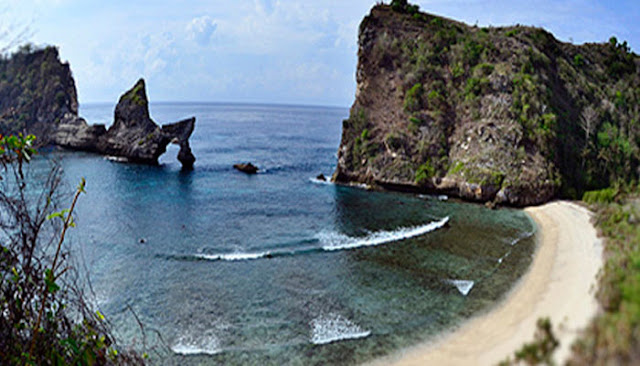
509	115
37	91
38	96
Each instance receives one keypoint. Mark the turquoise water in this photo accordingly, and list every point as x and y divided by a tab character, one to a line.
278	268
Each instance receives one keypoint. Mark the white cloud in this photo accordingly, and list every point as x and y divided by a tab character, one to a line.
201	30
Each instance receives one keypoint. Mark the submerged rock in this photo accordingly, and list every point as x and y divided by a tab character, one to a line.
246	168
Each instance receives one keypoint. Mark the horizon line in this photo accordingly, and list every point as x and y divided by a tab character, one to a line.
281	104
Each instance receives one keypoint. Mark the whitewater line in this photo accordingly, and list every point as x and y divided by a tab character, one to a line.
332	241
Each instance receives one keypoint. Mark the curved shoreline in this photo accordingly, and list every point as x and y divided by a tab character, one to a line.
560	284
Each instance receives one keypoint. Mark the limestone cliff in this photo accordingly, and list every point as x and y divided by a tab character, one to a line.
38	96
509	115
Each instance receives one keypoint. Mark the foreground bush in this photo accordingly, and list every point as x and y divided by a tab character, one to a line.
44	319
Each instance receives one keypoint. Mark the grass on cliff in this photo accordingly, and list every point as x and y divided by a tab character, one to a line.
33	86
576	107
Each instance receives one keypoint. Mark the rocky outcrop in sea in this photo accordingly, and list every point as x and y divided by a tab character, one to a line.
38	96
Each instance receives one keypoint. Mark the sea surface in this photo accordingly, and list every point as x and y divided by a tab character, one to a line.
278	268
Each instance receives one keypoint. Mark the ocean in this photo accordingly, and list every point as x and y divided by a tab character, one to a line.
278	268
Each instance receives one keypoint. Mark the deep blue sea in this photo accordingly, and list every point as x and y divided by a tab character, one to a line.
277	268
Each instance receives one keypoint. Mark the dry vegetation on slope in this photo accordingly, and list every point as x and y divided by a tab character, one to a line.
509	115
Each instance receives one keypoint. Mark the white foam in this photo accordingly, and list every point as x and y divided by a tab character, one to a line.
464	286
520	237
334	327
233	256
320	181
336	241
443	197
118	159
207	344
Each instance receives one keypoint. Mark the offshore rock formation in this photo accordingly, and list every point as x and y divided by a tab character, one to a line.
136	137
38	96
507	115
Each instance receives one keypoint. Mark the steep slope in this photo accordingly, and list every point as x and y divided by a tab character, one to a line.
37	92
509	115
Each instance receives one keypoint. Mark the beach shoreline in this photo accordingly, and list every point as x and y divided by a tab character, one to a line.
560	284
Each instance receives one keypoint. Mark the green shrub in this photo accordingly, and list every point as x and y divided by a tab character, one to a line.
44	318
457	70
425	172
416	121
471	52
413	98
399	5
483	69
435	99
475	87
578	60
602	196
512	32
457	168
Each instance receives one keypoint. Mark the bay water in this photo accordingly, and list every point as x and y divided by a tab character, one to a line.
278	268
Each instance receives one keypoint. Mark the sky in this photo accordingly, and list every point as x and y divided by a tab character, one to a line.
262	51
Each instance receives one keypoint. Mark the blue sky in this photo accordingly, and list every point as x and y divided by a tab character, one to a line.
266	51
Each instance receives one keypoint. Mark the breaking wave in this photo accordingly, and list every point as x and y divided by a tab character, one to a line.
463	286
328	242
207	344
334	327
336	241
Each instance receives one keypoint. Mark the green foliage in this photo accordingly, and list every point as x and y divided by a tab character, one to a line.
33	85
43	317
399	5
512	33
602	196
475	87
457	70
612	336
540	351
403	6
471	52
457	168
413	98
135	94
415	121
425	172
483	69
578	60
620	61
434	99
615	152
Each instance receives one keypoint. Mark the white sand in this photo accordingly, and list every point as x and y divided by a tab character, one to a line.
560	284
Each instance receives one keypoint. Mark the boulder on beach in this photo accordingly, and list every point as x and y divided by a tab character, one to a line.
246	168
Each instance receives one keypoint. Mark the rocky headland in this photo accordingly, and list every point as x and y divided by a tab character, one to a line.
38	96
507	115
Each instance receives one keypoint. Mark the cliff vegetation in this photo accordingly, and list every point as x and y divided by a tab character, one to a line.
503	114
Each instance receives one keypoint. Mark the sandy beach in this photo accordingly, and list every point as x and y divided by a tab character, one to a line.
560	284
